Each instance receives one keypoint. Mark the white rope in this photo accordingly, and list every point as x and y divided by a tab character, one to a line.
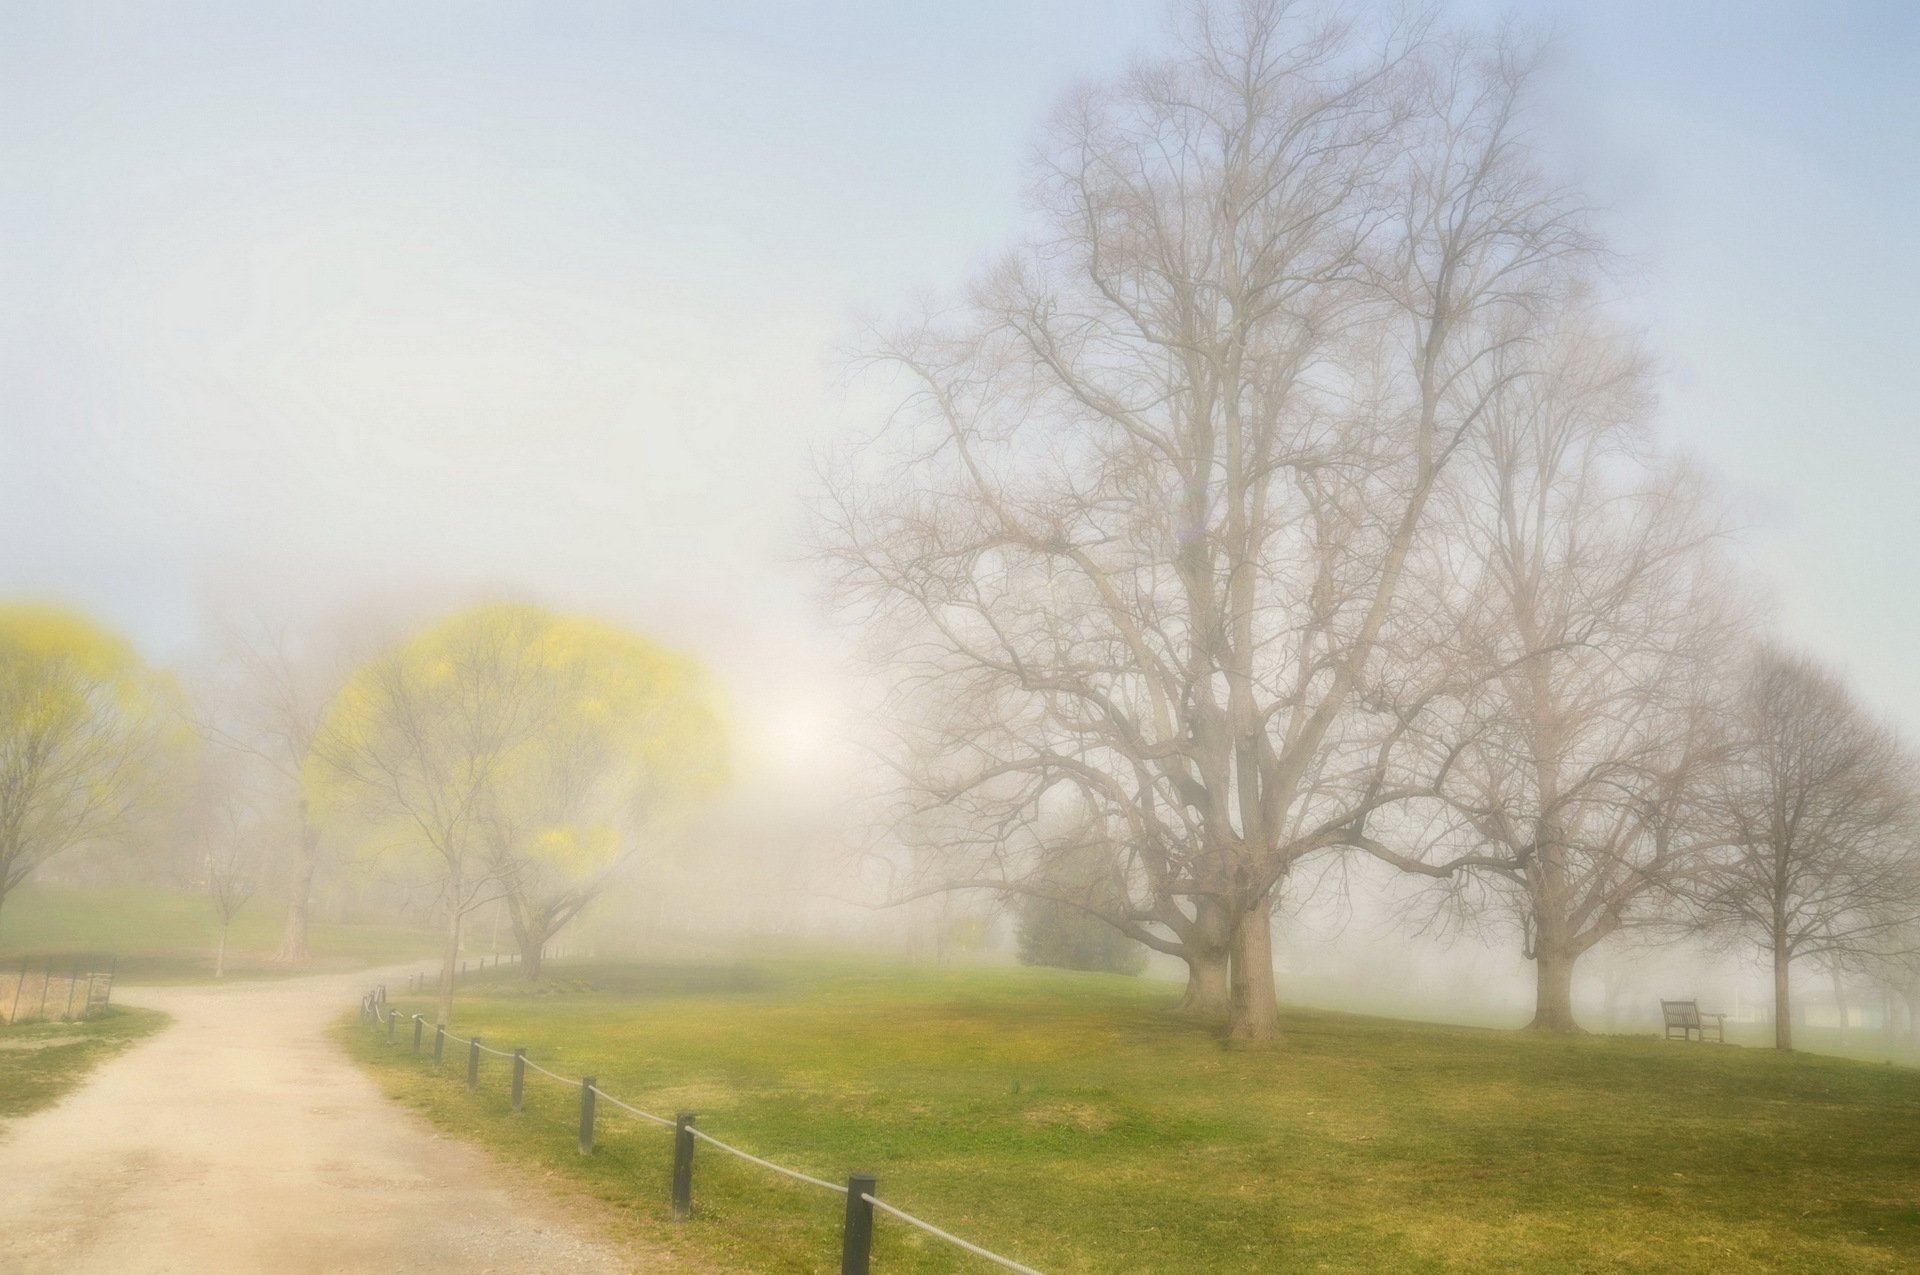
931	1229
766	1164
644	1115
565	1080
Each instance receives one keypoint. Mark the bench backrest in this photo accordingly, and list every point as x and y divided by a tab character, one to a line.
1681	1013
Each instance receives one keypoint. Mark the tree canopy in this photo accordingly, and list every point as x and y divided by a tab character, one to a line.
519	753
80	718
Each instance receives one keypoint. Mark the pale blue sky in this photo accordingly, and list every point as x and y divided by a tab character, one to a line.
544	296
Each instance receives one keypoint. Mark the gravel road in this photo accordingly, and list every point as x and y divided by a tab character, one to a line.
240	1139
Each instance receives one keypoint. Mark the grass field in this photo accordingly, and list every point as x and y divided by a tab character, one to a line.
41	1061
1068	1122
169	936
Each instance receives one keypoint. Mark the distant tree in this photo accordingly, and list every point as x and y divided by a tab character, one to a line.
1072	935
1053	933
518	753
81	724
628	733
232	854
270	707
1819	810
1590	613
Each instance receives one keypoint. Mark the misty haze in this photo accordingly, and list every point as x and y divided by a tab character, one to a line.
1083	638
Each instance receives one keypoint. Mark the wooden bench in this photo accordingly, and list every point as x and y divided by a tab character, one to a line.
1685	1017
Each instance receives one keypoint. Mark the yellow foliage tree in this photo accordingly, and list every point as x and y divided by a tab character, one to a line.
80	718
522	752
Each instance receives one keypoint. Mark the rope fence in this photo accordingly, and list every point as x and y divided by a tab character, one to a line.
860	1190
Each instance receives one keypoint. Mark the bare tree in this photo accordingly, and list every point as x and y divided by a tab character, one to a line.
1141	525
1819	809
1590	611
271	712
231	854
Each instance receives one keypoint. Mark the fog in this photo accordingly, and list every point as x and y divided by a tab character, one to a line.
353	317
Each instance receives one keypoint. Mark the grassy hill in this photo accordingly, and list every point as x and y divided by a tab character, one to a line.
162	935
1067	1121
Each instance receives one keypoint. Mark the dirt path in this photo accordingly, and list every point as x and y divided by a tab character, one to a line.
240	1139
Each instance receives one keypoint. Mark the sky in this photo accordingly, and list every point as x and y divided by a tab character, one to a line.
301	302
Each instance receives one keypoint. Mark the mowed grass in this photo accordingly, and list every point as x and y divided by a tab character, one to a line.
169	936
41	1061
1071	1123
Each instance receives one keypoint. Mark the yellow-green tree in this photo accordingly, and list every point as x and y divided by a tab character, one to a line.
80	717
629	733
521	753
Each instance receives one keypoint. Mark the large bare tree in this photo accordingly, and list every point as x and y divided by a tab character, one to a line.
1590	609
1141	523
1819	810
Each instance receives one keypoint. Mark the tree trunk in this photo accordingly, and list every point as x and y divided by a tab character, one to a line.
1207	952
1782	1007
293	931
1252	1013
1208	993
220	953
1552	988
531	939
533	948
451	960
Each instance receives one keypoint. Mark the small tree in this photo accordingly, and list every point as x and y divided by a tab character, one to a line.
231	845
270	713
80	719
627	733
1819	809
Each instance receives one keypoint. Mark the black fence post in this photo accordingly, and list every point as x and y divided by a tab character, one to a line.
439	1043
418	1024
683	1166
856	1239
383	993
519	1076
473	1063
586	1115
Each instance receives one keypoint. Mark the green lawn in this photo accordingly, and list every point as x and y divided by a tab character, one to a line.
1068	1122
169	936
41	1061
